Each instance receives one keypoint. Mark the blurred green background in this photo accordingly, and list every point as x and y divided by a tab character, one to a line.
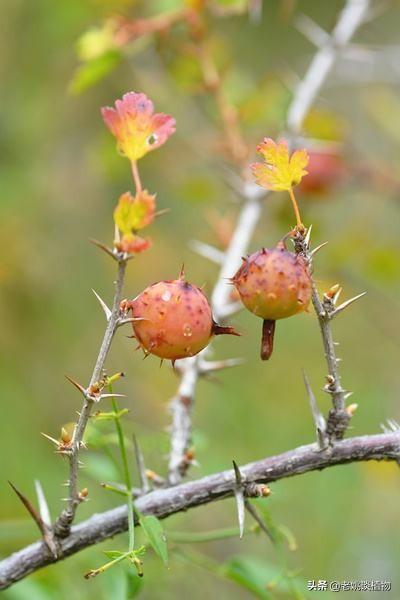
60	178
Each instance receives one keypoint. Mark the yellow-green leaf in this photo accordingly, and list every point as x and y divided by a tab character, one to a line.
280	171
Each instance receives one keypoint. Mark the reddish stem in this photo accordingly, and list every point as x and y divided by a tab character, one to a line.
267	340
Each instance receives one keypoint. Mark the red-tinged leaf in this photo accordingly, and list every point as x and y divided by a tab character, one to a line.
133	244
134	212
137	129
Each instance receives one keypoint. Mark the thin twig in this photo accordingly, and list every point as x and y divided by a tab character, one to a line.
63	523
338	418
165	502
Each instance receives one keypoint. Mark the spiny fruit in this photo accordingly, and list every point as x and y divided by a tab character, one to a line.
273	284
174	319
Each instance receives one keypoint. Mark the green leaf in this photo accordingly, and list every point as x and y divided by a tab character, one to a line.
244	572
263	578
155	534
93	71
113	553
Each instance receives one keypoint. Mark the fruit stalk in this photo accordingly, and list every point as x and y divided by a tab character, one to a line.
267	340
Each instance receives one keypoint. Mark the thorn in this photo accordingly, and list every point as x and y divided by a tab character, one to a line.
44	529
29	507
56	442
319	421
77	385
131	320
344	305
308	236
141	467
103	247
43	506
239	495
394	426
103	305
112	396
182	272
318	248
207	251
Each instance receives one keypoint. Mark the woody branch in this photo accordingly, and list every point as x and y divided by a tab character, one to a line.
165	502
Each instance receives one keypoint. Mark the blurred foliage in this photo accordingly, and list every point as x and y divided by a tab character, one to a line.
60	180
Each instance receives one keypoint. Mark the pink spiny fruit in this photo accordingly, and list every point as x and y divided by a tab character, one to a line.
176	319
273	284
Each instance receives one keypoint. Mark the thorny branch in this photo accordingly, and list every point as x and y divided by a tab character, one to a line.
63	523
338	417
181	406
165	502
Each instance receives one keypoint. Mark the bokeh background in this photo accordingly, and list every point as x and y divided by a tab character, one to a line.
60	178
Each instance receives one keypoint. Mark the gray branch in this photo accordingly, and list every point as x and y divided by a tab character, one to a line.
165	502
63	523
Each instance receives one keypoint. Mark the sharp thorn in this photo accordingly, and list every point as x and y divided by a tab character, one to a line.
43	506
51	439
308	236
344	305
319	421
239	496
318	248
103	247
77	385
29	507
103	305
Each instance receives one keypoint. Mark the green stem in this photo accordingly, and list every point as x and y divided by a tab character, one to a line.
127	476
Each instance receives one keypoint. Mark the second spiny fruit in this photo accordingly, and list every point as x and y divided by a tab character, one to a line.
273	284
